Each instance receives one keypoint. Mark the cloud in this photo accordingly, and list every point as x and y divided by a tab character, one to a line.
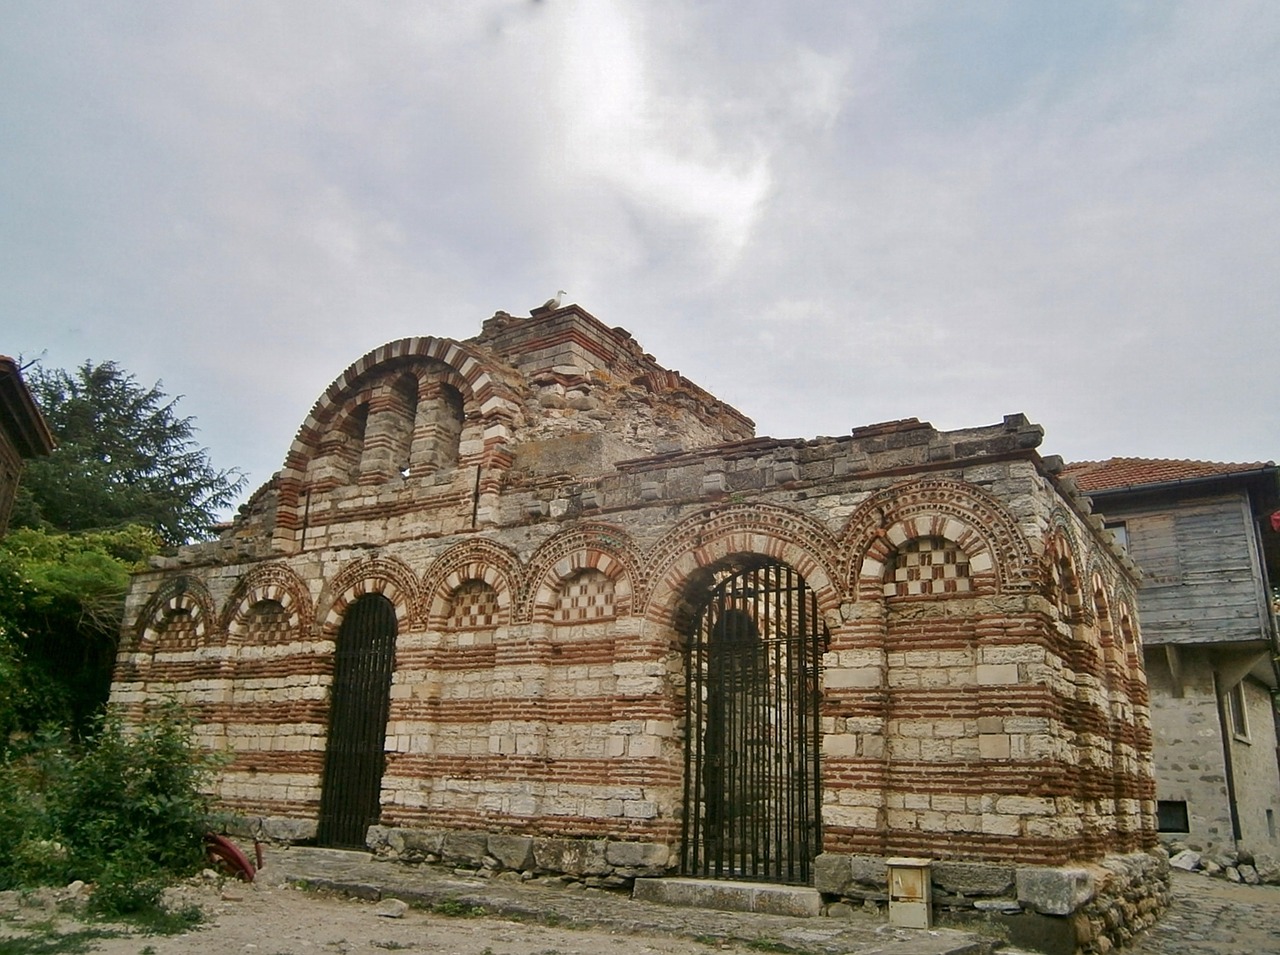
827	214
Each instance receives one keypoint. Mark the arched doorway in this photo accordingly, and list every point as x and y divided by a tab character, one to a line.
752	791
358	706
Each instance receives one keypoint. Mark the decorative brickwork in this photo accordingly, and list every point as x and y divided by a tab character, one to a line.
601	548
269	582
476	559
585	597
379	575
549	511
924	566
473	606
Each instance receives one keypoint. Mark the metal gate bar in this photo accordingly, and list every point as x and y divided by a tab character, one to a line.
752	788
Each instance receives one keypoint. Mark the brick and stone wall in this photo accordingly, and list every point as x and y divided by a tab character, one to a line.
543	507
1088	908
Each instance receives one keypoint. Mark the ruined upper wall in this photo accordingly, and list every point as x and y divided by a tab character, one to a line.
582	377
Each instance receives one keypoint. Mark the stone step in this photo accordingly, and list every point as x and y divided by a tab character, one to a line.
319	855
761	897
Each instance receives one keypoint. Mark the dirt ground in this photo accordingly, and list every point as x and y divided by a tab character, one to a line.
262	919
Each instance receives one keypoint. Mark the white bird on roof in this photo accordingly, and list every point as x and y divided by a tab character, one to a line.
554	302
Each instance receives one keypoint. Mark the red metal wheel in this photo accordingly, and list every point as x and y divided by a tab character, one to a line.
225	854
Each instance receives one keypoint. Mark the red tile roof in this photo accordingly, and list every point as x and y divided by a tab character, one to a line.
1115	473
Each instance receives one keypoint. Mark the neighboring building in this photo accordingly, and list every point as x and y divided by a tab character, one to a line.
1203	536
532	601
23	434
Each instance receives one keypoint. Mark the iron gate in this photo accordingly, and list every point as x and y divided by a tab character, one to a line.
358	706
752	791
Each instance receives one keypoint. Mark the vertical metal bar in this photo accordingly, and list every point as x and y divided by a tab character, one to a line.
752	648
814	734
777	742
740	700
803	849
715	796
705	740
692	711
787	809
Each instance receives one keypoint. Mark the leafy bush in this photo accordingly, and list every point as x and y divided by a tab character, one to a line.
125	811
129	882
61	604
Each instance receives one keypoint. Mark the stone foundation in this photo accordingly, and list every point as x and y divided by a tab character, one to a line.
1066	910
599	863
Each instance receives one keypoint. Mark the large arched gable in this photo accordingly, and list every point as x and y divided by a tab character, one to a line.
590	546
938	507
488	400
717	534
475	559
391	578
276	582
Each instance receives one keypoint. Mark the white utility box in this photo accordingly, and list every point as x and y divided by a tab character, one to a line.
910	892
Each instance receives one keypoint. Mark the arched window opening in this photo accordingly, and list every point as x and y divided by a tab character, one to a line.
405	409
350	451
389	432
438	430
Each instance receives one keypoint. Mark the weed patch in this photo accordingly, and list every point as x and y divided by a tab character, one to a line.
48	941
456	908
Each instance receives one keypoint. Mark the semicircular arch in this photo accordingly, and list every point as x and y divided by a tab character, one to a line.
276	582
387	576
181	594
488	400
590	546
715	536
475	559
935	507
1062	571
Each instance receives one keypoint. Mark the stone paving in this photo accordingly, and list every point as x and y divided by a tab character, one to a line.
1208	916
861	934
1215	917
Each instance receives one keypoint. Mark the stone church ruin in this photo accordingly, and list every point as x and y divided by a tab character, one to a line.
531	601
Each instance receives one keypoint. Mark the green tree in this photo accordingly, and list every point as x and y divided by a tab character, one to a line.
61	604
124	456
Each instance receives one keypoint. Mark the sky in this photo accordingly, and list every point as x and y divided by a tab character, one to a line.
828	213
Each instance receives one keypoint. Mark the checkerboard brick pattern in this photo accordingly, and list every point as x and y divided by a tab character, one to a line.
584	597
474	607
928	565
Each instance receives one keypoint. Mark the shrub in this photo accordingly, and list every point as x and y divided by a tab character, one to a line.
125	811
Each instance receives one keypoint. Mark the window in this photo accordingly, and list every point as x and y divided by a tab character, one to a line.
1239	712
1120	531
1171	815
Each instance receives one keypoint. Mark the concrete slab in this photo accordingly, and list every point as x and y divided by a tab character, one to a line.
538	900
760	897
